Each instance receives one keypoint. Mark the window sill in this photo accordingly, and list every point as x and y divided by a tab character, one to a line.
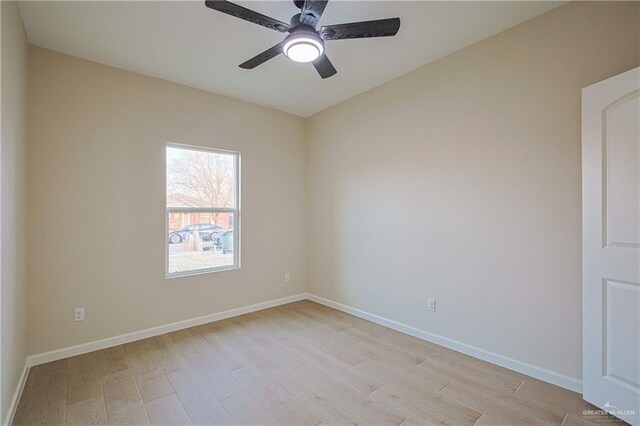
200	272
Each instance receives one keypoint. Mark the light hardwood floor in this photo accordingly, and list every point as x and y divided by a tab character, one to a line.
296	364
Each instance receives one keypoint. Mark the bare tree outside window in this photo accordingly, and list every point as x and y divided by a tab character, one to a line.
201	179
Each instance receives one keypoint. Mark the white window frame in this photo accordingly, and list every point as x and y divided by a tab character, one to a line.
235	211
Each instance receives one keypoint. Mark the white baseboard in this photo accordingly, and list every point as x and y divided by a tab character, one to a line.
501	360
155	331
13	406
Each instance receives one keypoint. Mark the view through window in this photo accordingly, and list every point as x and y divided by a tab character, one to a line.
202	210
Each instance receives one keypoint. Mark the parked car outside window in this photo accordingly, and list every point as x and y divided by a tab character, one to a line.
207	232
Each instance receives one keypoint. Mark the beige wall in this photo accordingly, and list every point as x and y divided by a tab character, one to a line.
461	181
97	197
13	267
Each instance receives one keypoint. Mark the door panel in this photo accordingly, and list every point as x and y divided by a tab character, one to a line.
621	332
622	171
611	244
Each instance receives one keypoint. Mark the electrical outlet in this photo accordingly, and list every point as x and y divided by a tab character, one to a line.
431	305
287	277
78	314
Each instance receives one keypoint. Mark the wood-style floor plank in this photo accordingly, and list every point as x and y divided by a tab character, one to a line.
429	409
503	406
123	403
277	371
362	382
348	354
558	398
230	360
111	360
45	395
219	381
320	410
87	412
149	377
474	376
296	364
167	410
167	354
201	405
273	397
83	385
347	401
246	411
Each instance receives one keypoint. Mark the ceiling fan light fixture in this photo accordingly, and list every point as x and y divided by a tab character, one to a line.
303	47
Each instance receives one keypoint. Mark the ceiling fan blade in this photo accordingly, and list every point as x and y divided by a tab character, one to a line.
380	28
247	14
324	67
312	11
262	57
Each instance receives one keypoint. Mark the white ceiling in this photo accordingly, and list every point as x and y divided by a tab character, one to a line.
185	42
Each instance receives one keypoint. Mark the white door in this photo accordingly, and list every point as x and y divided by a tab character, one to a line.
611	244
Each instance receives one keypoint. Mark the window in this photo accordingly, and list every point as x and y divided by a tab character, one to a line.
203	215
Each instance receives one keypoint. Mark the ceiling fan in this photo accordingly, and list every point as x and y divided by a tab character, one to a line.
305	43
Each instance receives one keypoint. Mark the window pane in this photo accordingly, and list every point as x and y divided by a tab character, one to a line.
210	244
200	178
